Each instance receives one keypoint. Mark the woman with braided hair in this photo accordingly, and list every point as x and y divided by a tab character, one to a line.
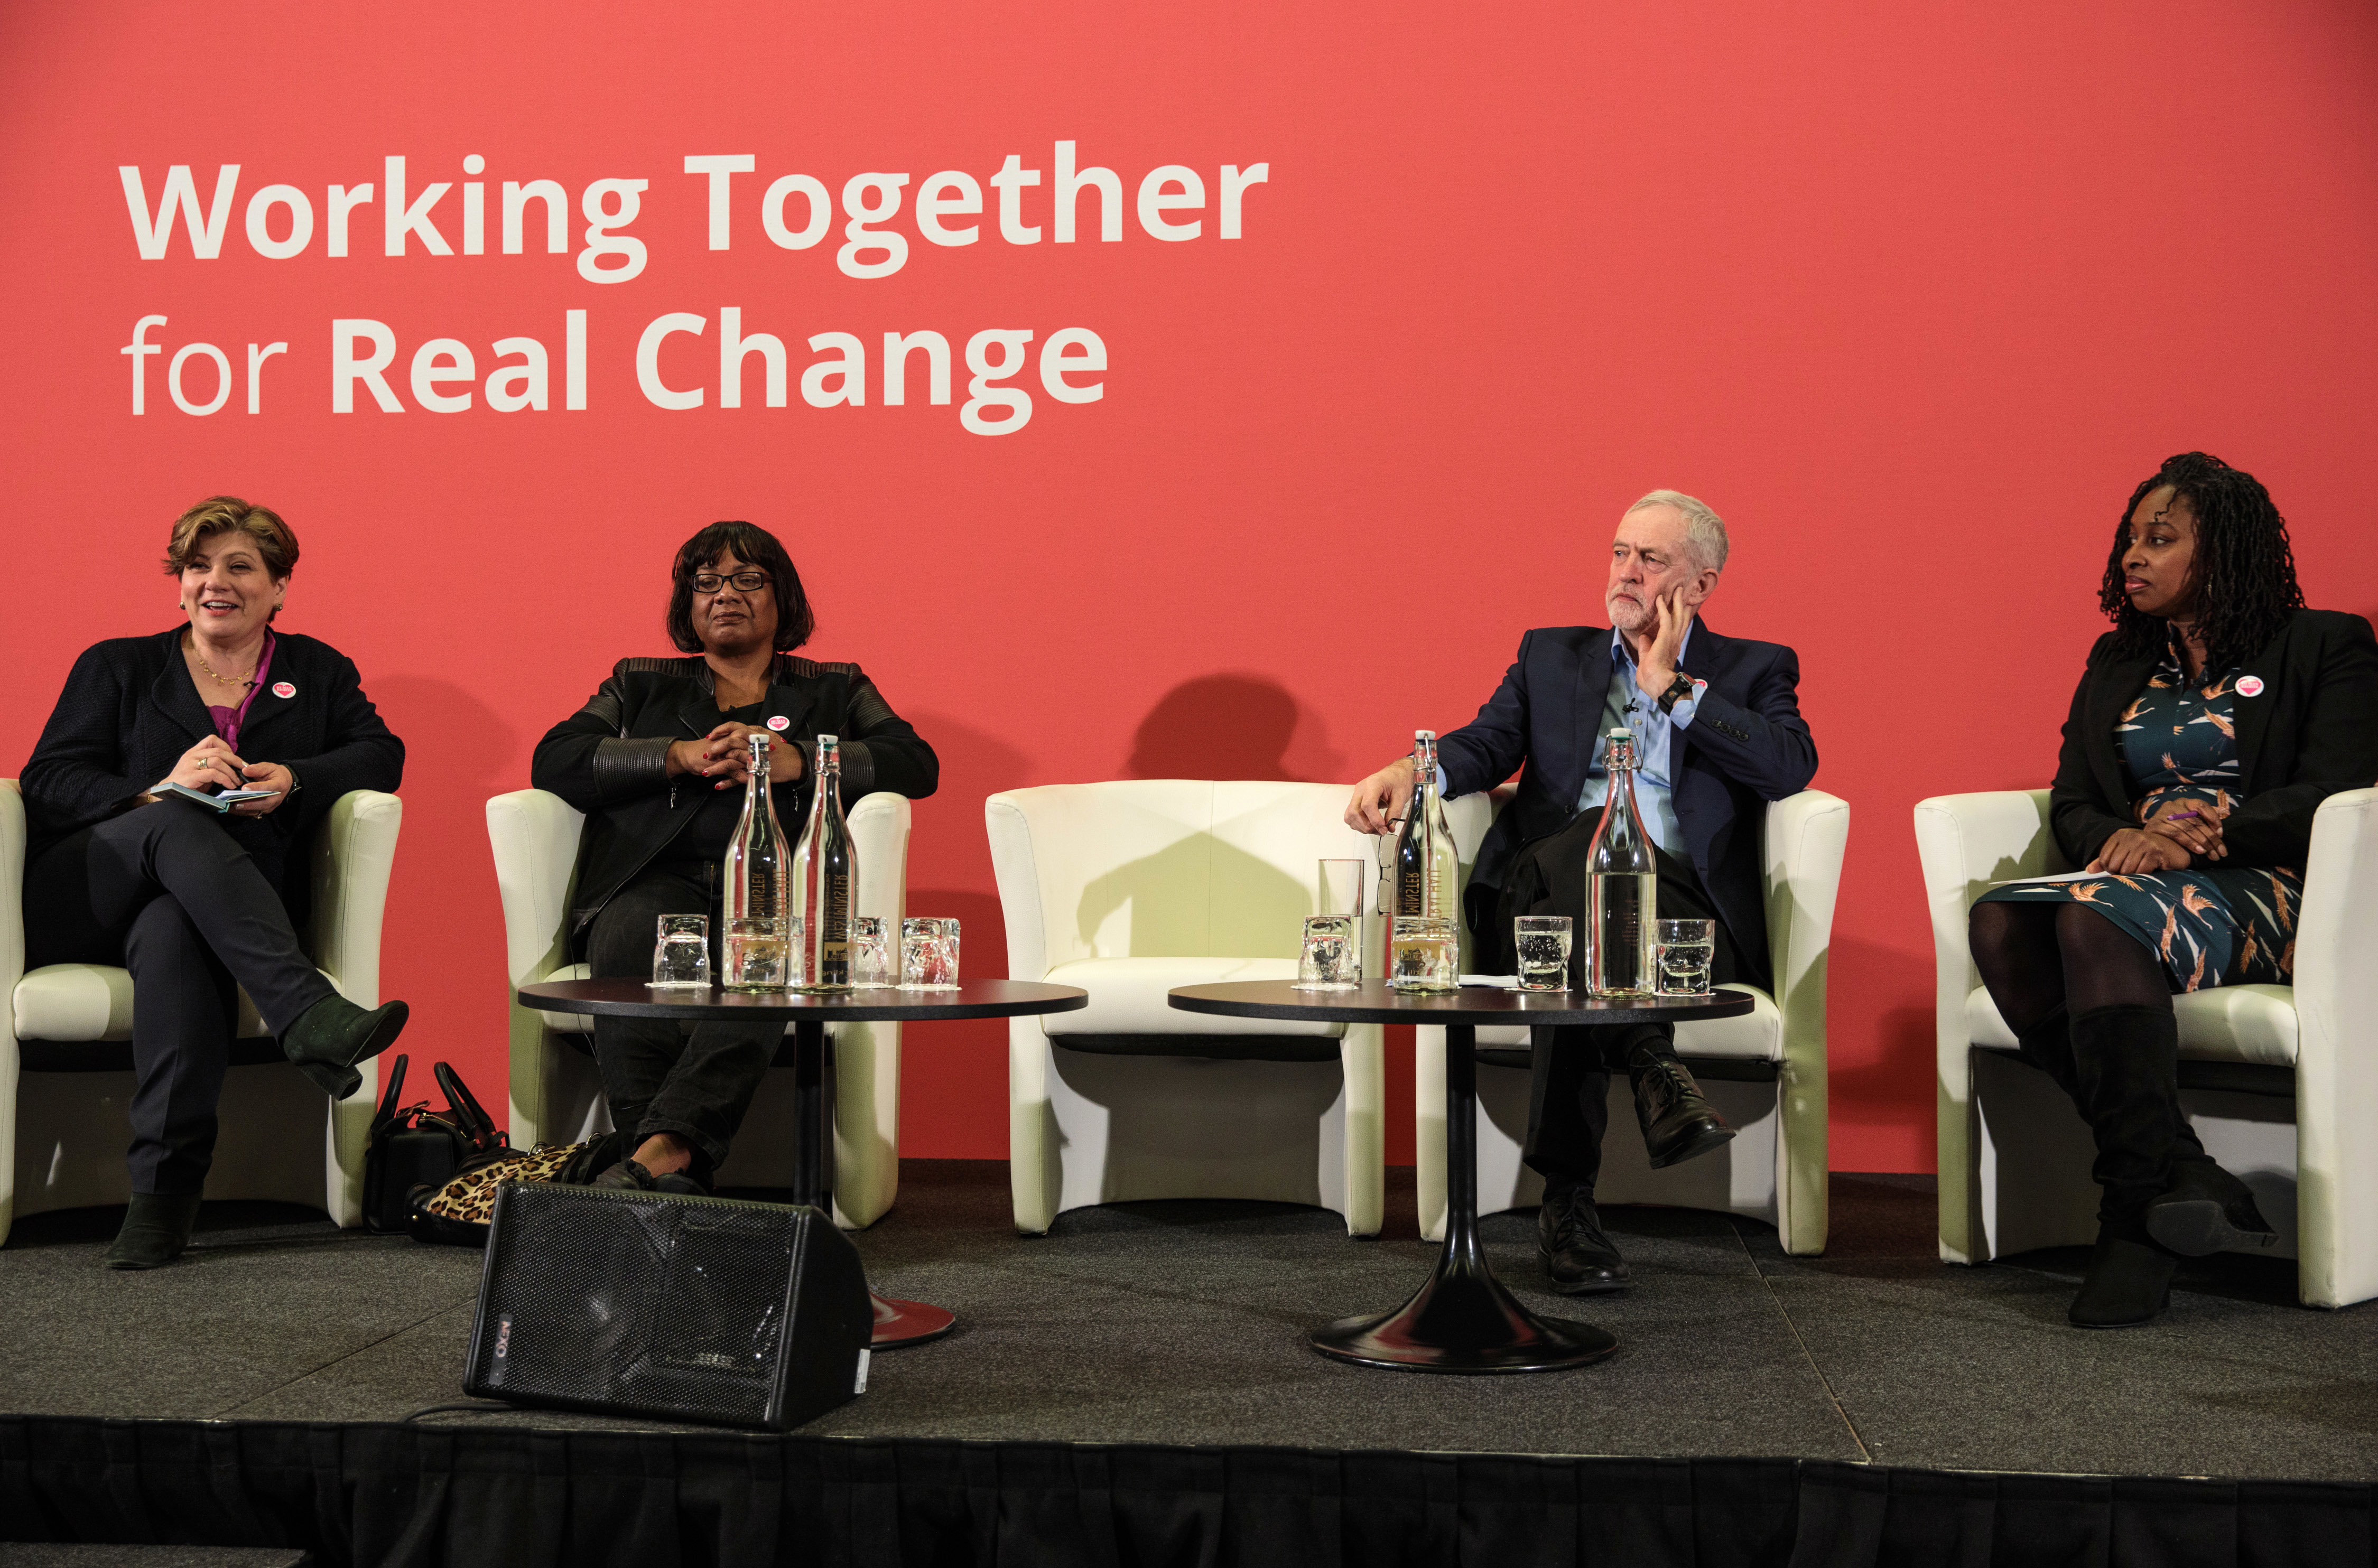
2209	726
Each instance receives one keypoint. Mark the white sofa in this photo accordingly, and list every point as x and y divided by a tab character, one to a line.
1129	888
66	1075
2280	1081
1765	1072
556	1095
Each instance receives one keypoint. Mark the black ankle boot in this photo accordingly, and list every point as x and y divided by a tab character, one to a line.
156	1228
2129	1282
1678	1123
1570	1243
628	1176
333	1034
2208	1210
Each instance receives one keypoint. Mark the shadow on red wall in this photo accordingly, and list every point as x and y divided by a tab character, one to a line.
1231	726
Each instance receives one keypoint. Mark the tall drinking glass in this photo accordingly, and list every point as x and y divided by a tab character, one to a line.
1342	893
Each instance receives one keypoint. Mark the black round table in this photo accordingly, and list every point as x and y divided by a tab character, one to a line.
1462	1319
897	1322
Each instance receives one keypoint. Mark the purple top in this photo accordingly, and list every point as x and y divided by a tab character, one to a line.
228	720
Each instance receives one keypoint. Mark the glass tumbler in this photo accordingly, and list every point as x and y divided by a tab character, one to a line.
1686	951
1543	941
1423	954
682	952
870	950
1332	959
928	955
759	953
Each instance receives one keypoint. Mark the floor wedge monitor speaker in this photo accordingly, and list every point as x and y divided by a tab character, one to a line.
649	1304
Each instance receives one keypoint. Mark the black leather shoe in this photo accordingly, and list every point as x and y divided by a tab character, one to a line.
682	1184
2128	1283
156	1228
333	1034
628	1176
1678	1123
2208	1210
1576	1253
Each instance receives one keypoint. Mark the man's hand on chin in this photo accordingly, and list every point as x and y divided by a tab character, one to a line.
1655	669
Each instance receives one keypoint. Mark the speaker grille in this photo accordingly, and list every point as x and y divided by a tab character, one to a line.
663	1305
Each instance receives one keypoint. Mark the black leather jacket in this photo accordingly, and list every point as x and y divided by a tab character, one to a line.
610	758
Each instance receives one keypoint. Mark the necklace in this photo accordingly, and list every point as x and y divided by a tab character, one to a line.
227	680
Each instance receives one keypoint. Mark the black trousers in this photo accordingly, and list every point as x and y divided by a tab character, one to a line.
658	1079
1568	1093
164	892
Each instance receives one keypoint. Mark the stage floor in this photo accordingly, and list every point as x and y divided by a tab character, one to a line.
1183	1323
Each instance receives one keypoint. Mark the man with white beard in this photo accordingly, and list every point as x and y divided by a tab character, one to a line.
1718	732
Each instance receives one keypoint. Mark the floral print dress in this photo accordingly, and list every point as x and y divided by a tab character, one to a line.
2212	924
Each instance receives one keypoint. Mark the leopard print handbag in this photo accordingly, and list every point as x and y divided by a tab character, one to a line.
457	1212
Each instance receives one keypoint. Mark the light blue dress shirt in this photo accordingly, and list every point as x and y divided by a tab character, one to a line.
1655	734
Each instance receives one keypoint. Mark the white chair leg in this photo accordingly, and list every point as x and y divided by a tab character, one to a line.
1032	1174
1363	1061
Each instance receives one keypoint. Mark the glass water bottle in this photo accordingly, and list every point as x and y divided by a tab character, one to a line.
825	875
1622	889
1427	867
756	944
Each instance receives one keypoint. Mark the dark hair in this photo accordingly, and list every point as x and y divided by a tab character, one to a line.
2244	570
273	539
753	544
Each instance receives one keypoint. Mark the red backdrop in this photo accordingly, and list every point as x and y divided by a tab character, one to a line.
1911	294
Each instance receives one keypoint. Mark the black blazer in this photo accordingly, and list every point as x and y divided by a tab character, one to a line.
1747	745
129	711
2311	732
610	758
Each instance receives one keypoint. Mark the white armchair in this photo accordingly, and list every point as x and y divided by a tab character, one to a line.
1764	1071
66	1057
1127	889
2280	1081
556	1095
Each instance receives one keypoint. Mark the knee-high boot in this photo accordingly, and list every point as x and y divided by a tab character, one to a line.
2048	1045
2126	1065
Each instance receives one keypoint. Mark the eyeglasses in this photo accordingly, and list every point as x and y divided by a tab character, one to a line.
744	581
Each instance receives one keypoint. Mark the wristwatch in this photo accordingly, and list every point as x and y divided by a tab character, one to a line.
1678	690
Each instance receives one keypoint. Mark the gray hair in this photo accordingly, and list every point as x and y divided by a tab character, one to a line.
1704	530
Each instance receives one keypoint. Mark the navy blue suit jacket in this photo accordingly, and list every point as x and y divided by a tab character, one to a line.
1747	746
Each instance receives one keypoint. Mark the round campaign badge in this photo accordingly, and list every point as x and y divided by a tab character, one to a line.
2250	686
283	688
777	721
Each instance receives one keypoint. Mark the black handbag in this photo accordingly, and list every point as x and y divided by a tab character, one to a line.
411	1146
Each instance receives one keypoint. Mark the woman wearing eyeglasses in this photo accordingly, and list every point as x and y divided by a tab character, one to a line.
656	759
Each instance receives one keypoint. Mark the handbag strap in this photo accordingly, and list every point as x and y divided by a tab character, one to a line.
476	1124
388	1114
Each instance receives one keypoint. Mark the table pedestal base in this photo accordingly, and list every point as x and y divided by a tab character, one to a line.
901	1323
1463	1320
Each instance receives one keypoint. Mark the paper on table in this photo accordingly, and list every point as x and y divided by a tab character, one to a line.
1505	981
2059	877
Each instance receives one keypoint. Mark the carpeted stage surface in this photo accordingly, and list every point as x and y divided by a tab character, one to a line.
1183	1323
